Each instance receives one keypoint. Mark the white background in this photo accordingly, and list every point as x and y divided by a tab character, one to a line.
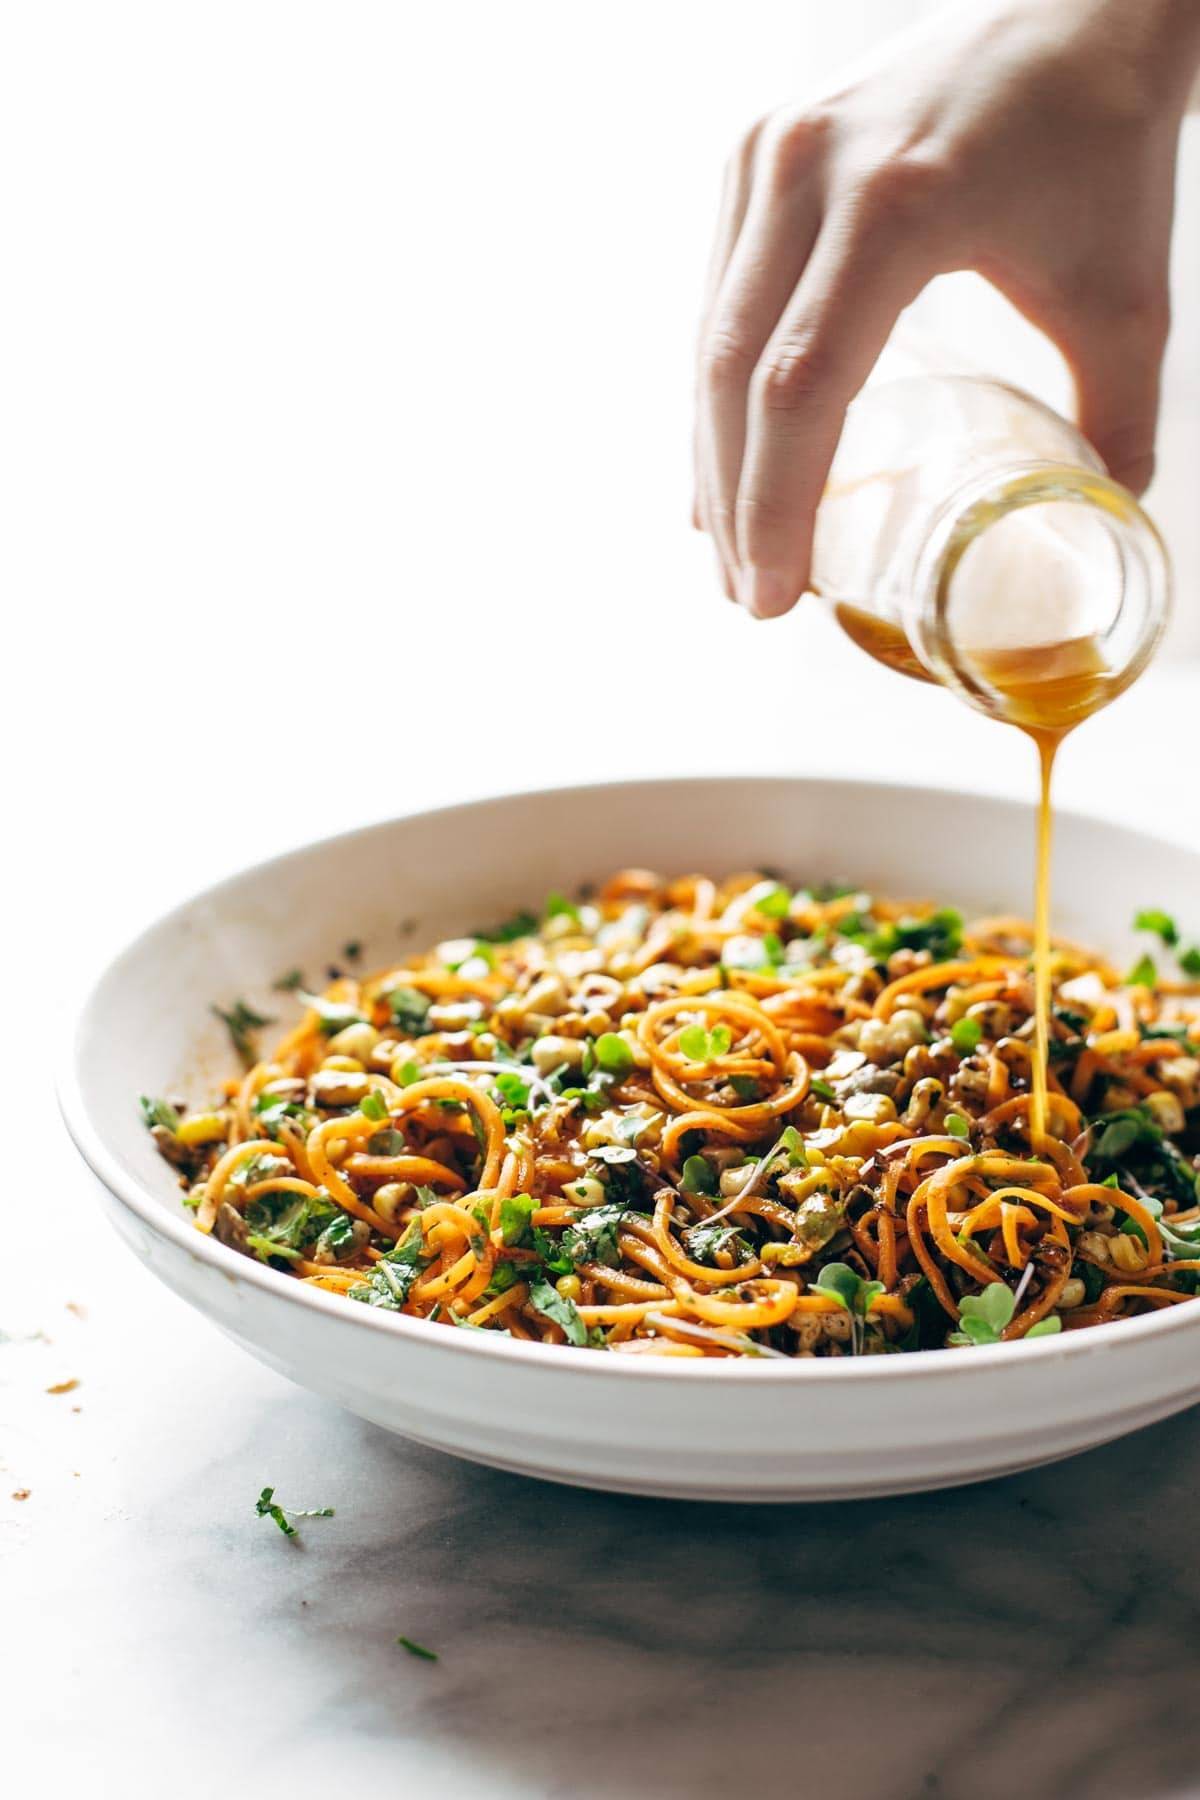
345	375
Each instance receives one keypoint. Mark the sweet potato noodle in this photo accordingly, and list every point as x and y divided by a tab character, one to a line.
698	1119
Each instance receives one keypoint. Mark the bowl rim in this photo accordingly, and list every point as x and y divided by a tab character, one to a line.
179	1231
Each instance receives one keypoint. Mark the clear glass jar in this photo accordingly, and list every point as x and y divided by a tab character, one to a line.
969	535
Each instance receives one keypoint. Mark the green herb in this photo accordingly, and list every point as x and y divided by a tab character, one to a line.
159	1112
415	1649
352	951
1092	1279
287	984
386	1143
701	1045
848	1288
285	1224
771	899
965	1034
613	1054
374	1106
957	1126
822	1090
593	1237
555	1306
984	1316
515	1215
240	1021
522	924
267	1507
332	1015
391	1280
272	1109
791	1141
554	1257
559	907
1179	1034
1189	962
409	1009
697	1176
1144	973
703	1242
1160	923
504	1276
512	1090
407	1073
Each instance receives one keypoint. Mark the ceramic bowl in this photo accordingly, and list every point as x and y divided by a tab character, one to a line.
718	1430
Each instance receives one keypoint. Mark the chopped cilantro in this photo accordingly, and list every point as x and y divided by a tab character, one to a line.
1144	973
771	899
415	1649
559	907
159	1112
522	924
593	1236
515	1215
374	1106
240	1020
702	1243
267	1507
1160	923
287	984
409	1009
1189	962
555	1306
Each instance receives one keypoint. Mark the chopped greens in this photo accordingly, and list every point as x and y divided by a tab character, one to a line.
159	1112
409	1009
562	1312
415	1649
1160	923
267	1507
241	1021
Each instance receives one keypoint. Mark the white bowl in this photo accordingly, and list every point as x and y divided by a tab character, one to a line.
727	1430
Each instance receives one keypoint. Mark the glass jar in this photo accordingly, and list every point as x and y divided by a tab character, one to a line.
969	535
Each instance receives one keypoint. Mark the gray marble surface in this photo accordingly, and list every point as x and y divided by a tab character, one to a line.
1037	1636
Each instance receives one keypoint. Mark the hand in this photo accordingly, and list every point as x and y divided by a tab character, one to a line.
1031	140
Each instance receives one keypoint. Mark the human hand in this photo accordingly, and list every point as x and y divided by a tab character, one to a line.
1033	141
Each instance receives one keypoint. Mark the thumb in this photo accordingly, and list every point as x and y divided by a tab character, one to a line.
1116	361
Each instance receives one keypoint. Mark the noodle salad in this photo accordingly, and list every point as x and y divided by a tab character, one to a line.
697	1119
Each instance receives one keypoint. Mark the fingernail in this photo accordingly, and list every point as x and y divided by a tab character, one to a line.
764	592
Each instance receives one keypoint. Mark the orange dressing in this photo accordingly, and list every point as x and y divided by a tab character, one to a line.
1045	691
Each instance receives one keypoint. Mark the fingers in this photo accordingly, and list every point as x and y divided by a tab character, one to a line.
735	196
768	259
1116	360
869	262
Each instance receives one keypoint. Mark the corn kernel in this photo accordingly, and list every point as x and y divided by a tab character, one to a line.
203	1128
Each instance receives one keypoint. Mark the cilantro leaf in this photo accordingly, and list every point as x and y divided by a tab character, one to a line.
240	1021
159	1112
1160	923
593	1236
409	1009
515	1215
1144	973
563	1312
415	1649
267	1507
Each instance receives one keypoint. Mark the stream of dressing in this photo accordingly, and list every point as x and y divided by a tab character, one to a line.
1045	691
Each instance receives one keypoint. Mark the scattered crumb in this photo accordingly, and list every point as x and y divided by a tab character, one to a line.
75	1473
64	1387
77	1409
80	1312
21	1493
